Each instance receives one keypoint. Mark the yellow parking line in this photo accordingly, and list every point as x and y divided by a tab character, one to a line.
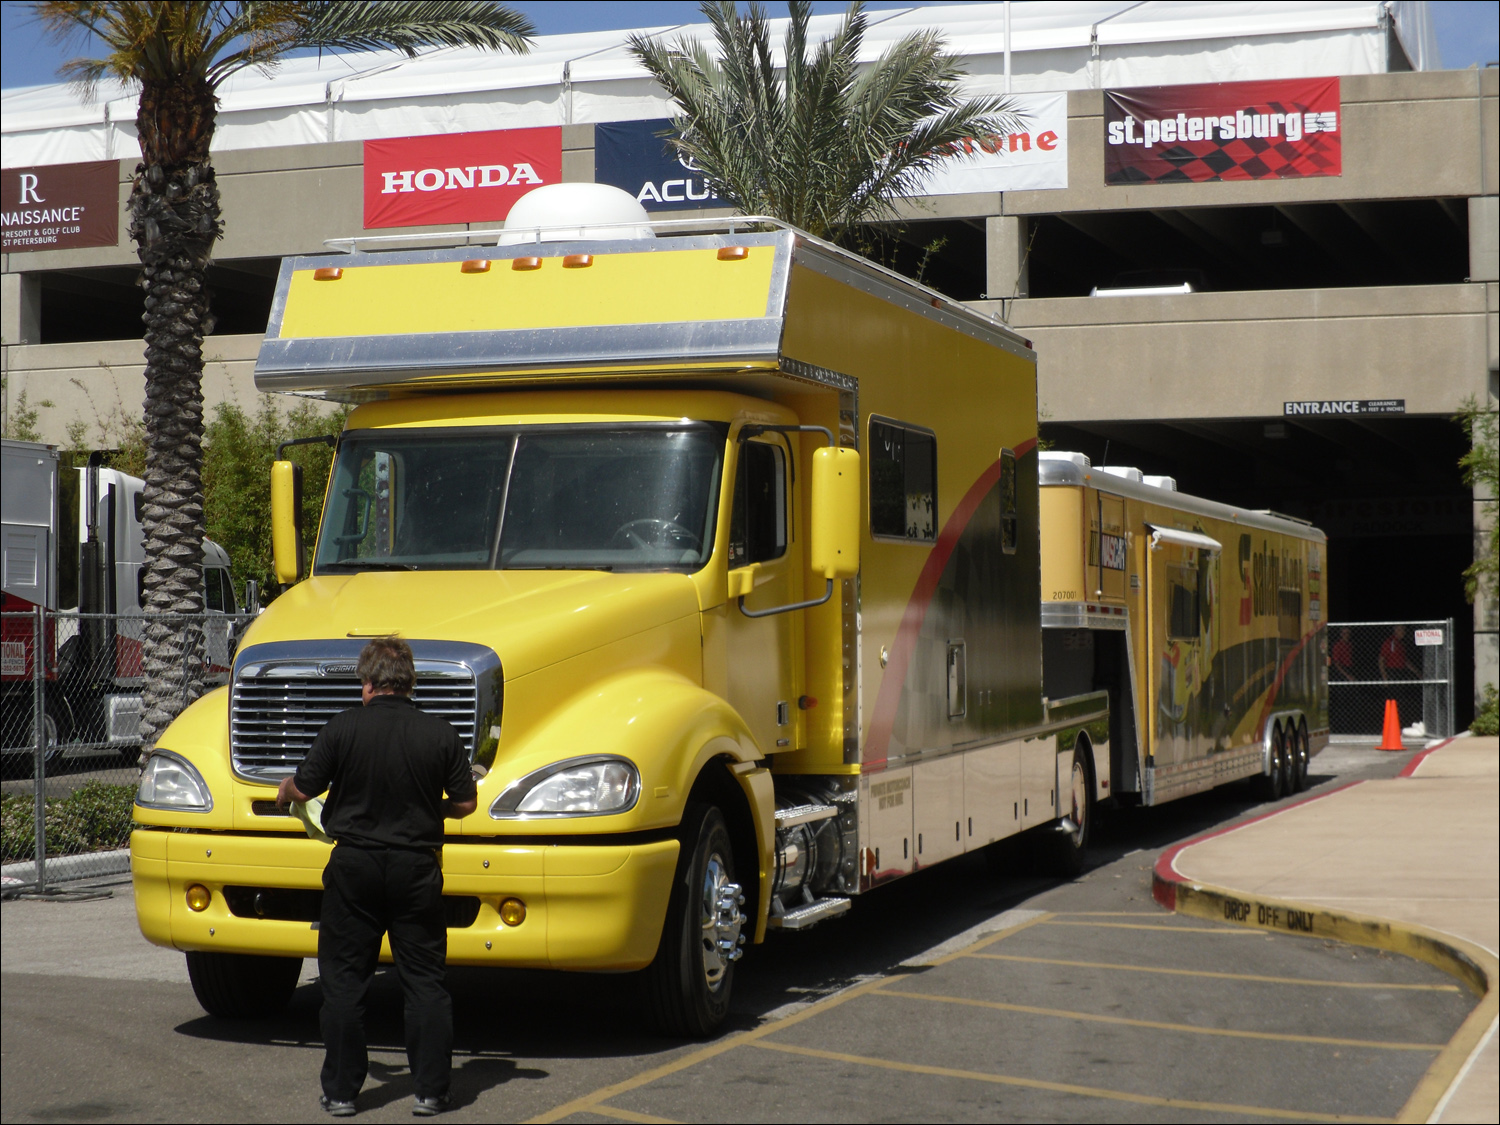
589	1103
1225	930
1063	1087
1059	1013
630	1115
1216	976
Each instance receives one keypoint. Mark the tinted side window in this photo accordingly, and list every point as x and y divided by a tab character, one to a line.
229	603
1182	610
213	591
757	524
903	482
1009	520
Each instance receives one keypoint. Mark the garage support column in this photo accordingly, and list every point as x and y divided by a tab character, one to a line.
20	309
1005	253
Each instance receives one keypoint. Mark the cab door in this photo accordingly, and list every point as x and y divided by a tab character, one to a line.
763	654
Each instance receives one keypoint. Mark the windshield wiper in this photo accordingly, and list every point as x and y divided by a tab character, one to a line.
367	564
561	566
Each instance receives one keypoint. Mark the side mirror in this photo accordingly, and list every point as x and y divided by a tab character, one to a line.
834	541
288	551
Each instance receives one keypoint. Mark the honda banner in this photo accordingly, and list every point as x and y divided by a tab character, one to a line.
60	206
1270	130
458	178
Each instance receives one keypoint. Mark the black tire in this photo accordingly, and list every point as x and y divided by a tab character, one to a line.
689	983
1299	758
237	986
1065	849
1273	786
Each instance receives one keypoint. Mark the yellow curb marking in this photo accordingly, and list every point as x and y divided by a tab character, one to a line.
1227	931
1090	1017
630	1115
1474	965
1062	1087
1218	976
588	1103
1110	913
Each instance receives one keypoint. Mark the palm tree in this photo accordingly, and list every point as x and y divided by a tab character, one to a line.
825	145
178	53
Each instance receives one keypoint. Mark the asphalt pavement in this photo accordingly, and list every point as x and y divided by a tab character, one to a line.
962	993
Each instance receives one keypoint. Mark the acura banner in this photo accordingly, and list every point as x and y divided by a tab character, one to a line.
1269	130
457	178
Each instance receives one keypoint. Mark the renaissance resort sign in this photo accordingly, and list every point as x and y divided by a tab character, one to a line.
60	206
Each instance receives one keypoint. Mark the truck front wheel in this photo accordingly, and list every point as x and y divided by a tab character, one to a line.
688	985
237	986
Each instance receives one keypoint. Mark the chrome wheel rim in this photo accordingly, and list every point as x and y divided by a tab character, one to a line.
721	921
1080	803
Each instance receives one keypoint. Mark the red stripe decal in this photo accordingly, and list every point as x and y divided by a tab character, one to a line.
1265	711
888	698
1411	767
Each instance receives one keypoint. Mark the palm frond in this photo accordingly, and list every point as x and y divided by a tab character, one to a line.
825	143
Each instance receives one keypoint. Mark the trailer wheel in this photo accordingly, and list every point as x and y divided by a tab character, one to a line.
1299	758
1067	846
237	986
688	985
1277	783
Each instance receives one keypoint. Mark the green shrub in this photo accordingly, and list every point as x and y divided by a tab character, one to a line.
1487	718
94	817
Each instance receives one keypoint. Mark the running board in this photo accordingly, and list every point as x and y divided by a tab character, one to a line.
810	915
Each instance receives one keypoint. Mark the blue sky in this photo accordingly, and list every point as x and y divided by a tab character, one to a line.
1467	30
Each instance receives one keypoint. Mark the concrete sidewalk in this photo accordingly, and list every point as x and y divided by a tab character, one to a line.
1411	864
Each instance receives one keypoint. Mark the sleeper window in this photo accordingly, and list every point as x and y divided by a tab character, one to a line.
903	482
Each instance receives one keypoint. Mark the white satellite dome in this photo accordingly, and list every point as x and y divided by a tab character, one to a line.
570	212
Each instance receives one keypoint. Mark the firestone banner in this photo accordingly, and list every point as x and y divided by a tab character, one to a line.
1035	157
1271	130
60	206
458	178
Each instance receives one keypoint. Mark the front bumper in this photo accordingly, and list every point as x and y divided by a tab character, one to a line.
587	907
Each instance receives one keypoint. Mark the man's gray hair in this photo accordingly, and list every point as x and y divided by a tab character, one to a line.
386	665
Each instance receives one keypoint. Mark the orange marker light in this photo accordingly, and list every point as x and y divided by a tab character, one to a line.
328	273
198	897
475	265
733	253
525	263
578	261
512	912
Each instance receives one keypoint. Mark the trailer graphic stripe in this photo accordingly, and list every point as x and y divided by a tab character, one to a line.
889	697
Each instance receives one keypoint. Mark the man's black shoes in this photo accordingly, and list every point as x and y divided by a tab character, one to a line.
430	1107
336	1108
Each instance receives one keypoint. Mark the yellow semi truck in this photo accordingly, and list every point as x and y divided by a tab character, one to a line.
721	550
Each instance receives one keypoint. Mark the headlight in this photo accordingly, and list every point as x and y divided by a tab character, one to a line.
168	781
592	786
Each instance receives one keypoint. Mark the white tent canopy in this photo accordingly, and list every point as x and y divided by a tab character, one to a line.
592	76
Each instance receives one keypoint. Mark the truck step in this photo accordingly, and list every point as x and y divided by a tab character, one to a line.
810	915
804	814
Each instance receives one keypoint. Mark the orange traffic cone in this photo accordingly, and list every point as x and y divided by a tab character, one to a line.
1390	737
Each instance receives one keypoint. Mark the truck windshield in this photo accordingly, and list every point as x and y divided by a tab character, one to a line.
641	497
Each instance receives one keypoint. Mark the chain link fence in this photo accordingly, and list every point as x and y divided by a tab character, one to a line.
70	741
1370	662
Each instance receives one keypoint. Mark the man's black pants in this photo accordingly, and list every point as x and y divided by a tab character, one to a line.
368	893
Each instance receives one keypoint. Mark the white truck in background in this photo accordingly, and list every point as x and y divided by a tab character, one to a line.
91	667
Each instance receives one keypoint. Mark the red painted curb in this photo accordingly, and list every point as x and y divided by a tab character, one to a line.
1165	878
1417	759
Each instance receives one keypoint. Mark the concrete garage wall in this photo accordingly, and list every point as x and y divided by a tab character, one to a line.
1229	355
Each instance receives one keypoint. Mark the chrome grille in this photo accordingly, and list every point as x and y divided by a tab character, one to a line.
276	713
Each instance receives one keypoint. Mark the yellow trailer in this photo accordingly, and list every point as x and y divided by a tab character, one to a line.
1203	621
720	550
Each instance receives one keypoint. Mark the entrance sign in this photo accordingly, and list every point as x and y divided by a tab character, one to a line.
462	178
60	206
1282	129
1346	406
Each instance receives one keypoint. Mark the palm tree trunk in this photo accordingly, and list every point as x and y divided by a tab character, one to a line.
174	221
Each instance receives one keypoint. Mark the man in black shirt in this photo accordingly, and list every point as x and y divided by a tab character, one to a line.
387	766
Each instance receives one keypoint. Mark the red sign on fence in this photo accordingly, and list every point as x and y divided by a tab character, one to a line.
1223	131
463	178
